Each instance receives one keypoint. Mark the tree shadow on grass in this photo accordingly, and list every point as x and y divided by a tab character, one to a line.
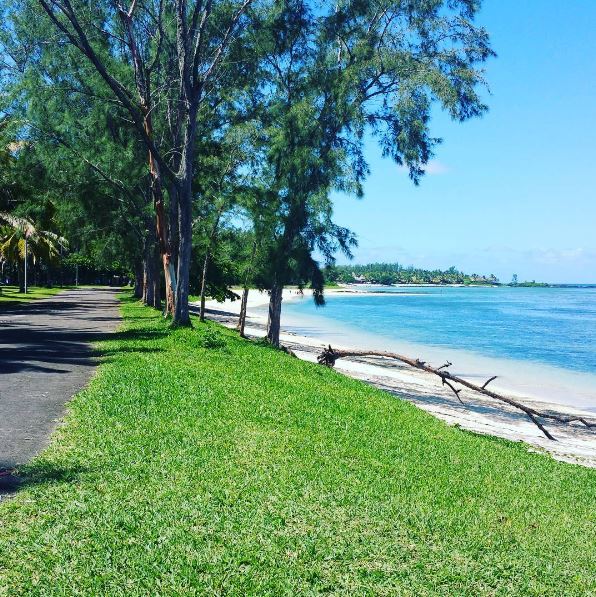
107	356
195	310
58	351
139	335
37	473
9	481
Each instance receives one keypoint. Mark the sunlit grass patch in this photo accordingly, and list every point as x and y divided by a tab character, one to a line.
200	463
10	295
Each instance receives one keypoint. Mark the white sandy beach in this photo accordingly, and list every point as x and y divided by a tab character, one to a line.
479	414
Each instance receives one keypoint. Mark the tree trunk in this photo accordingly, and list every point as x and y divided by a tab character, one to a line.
21	277
146	282
243	304
164	249
155	283
181	312
161	224
204	286
152	281
152	285
274	319
139	279
143	88
173	207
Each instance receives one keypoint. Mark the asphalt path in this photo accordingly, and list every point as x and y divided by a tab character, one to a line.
45	358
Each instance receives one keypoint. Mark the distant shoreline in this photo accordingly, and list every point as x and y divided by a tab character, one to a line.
396	274
473	285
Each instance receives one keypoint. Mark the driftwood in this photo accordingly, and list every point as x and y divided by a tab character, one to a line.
329	356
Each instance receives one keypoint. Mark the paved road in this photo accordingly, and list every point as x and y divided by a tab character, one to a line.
46	358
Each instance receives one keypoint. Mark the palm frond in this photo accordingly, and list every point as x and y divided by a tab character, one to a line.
19	223
42	244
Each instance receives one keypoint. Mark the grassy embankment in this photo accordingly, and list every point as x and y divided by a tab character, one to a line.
10	295
200	463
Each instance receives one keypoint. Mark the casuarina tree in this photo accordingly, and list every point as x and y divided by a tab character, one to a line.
176	52
333	73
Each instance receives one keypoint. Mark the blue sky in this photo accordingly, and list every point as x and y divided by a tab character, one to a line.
514	191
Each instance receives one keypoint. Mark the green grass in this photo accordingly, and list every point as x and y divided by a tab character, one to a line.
10	295
200	463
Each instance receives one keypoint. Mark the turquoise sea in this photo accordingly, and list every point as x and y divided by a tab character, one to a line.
541	329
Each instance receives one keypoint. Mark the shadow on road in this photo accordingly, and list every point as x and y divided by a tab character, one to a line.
51	336
47	355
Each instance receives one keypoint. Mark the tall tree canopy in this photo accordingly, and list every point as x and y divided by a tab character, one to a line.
331	73
163	63
178	117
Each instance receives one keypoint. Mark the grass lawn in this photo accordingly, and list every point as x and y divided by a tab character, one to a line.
10	295
200	463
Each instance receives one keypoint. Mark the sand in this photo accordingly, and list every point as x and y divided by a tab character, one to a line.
478	414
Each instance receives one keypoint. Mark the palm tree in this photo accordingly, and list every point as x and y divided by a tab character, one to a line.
20	240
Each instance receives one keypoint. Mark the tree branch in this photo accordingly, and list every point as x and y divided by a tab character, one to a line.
329	356
79	39
225	41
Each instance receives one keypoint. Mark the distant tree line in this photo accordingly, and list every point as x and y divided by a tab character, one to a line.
71	269
395	273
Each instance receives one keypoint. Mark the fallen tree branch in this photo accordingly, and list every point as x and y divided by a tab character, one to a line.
488	381
329	356
454	390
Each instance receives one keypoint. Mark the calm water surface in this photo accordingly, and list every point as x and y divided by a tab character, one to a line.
553	326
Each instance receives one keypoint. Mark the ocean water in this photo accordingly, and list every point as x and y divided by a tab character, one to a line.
541	338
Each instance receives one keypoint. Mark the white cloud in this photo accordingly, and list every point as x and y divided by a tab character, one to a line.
433	168
560	256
